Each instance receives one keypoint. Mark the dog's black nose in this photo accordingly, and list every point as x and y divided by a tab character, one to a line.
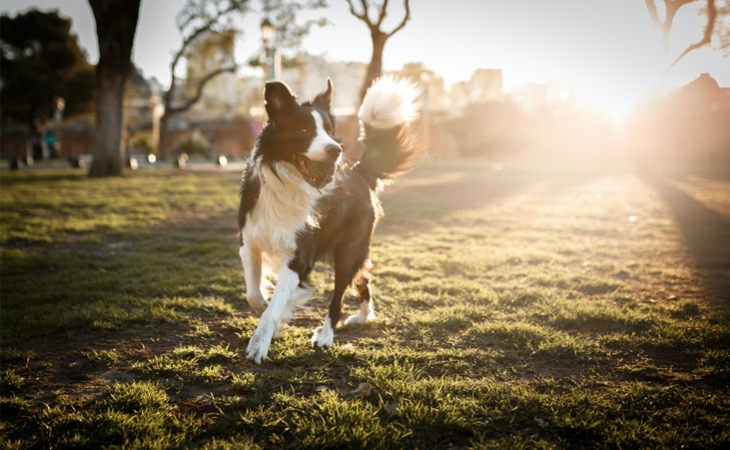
333	150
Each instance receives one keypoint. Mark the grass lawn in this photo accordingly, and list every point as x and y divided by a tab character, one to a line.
544	307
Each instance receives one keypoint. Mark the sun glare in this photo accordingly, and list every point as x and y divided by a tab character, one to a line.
617	103
619	89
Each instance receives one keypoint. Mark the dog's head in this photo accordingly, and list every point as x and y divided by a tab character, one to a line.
302	135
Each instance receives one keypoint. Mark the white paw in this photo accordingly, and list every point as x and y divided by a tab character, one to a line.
258	346
358	319
365	315
257	303
324	335
355	319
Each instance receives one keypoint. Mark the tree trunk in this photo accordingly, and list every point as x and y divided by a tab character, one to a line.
375	68
108	140
116	24
163	143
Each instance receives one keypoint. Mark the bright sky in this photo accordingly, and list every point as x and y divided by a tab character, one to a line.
607	49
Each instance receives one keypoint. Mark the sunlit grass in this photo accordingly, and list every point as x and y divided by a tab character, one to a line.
517	308
107	357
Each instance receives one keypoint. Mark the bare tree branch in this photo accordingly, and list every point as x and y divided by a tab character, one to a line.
378	36
181	52
651	8
707	35
199	90
383	13
364	16
200	17
207	26
672	6
193	23
405	19
366	11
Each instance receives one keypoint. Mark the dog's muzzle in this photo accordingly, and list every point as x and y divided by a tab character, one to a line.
317	173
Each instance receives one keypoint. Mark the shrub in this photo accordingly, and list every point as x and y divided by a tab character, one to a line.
194	144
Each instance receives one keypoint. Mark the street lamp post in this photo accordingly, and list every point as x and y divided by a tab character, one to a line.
60	105
268	35
157	109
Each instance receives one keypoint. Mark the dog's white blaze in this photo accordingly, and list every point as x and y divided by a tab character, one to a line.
324	335
322	139
286	286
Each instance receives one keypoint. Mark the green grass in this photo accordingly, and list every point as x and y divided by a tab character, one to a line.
518	307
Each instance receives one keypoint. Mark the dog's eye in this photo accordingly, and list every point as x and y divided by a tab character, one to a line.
304	131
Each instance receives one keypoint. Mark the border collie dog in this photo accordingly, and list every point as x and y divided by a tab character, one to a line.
302	202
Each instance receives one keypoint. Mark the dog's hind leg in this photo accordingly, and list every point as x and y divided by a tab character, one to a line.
325	335
347	268
252	262
366	312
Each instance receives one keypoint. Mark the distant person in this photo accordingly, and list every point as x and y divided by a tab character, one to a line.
50	138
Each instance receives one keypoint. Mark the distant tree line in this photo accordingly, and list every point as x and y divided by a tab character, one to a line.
40	62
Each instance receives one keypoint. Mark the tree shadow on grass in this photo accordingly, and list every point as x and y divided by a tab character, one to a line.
125	269
427	196
706	233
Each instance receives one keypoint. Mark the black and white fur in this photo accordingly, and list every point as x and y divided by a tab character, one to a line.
302	203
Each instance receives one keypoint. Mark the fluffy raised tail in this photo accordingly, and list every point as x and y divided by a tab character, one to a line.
389	107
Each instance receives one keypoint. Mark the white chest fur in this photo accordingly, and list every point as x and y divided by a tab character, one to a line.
285	206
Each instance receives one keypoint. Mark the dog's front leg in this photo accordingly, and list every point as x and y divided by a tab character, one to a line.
286	285
251	260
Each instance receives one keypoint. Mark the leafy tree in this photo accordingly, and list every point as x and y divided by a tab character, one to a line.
116	24
40	60
378	36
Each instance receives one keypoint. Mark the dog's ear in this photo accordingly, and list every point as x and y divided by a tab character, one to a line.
277	96
323	99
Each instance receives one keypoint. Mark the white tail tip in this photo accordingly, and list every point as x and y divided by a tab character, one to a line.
389	102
